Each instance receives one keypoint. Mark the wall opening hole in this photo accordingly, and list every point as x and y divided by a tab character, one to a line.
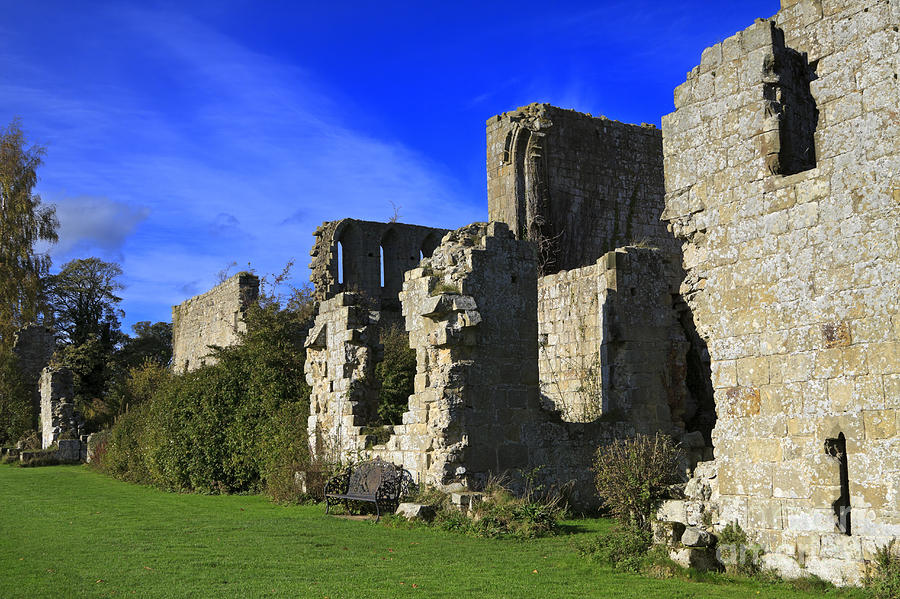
837	449
381	263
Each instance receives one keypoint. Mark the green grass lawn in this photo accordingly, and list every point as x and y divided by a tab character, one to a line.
66	531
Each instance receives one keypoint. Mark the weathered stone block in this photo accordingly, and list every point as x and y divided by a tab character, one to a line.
416	511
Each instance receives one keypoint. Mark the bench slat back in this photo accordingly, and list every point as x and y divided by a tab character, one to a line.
367	476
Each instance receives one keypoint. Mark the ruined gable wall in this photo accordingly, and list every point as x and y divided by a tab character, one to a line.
212	318
793	276
362	243
583	185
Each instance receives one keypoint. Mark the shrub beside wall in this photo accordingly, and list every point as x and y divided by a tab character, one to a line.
236	426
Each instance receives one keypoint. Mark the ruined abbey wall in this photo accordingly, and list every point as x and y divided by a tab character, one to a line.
782	165
211	318
578	185
341	353
472	312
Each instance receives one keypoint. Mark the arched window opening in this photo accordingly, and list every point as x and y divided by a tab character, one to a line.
392	264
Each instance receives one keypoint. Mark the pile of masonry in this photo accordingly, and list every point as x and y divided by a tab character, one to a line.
730	281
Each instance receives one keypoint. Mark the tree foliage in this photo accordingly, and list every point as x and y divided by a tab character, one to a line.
84	301
396	373
24	223
15	399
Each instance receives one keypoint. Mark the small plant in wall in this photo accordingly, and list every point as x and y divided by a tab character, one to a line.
883	578
734	550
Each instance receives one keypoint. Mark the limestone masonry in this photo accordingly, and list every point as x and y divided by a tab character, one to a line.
732	281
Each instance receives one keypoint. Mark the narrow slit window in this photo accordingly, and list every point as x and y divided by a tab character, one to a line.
837	449
340	260
381	263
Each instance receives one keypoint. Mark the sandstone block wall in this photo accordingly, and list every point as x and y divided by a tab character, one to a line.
580	185
212	318
34	345
793	271
372	258
472	313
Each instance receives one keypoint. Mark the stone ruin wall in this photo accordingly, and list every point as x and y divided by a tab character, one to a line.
581	185
33	346
471	311
341	353
791	252
211	318
611	343
350	261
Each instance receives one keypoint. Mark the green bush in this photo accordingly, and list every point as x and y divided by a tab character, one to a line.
631	476
395	373
238	425
883	578
623	548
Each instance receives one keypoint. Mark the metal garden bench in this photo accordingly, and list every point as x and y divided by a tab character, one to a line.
374	481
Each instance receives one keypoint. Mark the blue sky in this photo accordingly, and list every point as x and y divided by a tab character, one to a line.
183	136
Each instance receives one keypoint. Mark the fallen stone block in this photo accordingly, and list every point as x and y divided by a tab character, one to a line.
700	558
416	511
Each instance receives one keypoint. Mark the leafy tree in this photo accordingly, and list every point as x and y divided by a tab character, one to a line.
24	222
151	342
238	425
84	301
15	399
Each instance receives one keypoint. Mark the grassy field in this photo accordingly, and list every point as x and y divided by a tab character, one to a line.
66	531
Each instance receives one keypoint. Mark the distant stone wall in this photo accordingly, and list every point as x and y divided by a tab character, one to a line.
372	258
611	342
212	318
34	345
579	185
793	270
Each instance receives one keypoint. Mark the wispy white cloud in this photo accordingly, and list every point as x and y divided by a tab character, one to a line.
252	148
90	223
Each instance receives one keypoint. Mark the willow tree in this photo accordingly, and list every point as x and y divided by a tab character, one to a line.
24	223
